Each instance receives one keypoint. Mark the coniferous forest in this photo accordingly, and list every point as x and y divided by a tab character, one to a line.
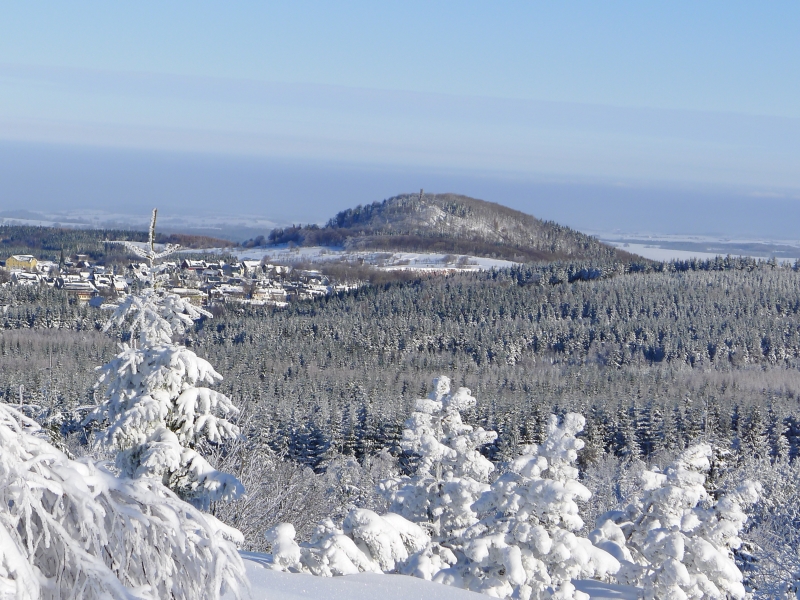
657	357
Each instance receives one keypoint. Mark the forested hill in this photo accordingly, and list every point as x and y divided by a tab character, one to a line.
449	223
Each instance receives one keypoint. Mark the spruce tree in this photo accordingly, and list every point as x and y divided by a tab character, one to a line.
156	413
677	541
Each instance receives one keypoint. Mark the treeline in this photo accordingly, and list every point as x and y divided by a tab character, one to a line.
54	243
195	242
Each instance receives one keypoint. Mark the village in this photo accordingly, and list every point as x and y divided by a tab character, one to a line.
203	283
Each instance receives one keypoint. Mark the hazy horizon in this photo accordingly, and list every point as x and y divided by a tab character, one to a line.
62	179
670	118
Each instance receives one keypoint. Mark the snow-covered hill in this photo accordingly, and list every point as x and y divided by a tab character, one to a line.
448	223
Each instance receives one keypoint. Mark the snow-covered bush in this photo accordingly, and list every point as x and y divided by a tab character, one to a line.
675	540
281	490
429	510
366	542
71	529
157	413
524	545
450	473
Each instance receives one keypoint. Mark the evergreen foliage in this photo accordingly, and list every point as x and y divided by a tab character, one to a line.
524	545
449	472
681	540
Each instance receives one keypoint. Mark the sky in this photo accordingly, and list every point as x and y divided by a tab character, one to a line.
293	110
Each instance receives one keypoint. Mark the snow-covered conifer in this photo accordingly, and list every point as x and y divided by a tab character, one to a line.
71	529
680	541
450	472
524	545
429	510
157	412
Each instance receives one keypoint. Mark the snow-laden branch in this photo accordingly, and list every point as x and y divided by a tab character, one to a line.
71	529
451	472
158	415
154	315
524	545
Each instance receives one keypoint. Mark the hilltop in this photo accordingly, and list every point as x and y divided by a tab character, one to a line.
449	223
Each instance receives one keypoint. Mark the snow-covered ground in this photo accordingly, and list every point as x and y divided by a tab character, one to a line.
266	584
607	591
658	246
418	261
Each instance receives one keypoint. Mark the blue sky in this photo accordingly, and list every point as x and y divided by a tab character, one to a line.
693	97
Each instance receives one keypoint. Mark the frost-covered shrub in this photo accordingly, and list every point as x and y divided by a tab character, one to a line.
451	473
524	545
157	412
675	540
71	529
366	542
281	490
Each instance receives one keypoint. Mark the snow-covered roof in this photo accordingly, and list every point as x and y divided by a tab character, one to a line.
186	291
78	286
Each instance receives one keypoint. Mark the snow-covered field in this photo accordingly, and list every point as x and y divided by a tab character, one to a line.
266	584
418	261
654	252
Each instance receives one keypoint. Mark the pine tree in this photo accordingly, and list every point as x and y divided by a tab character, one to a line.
792	435
754	437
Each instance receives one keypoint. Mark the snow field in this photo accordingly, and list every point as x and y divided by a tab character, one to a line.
267	584
389	261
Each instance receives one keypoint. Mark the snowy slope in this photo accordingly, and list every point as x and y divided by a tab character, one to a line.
266	584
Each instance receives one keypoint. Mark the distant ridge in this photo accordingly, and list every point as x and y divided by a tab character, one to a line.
449	223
